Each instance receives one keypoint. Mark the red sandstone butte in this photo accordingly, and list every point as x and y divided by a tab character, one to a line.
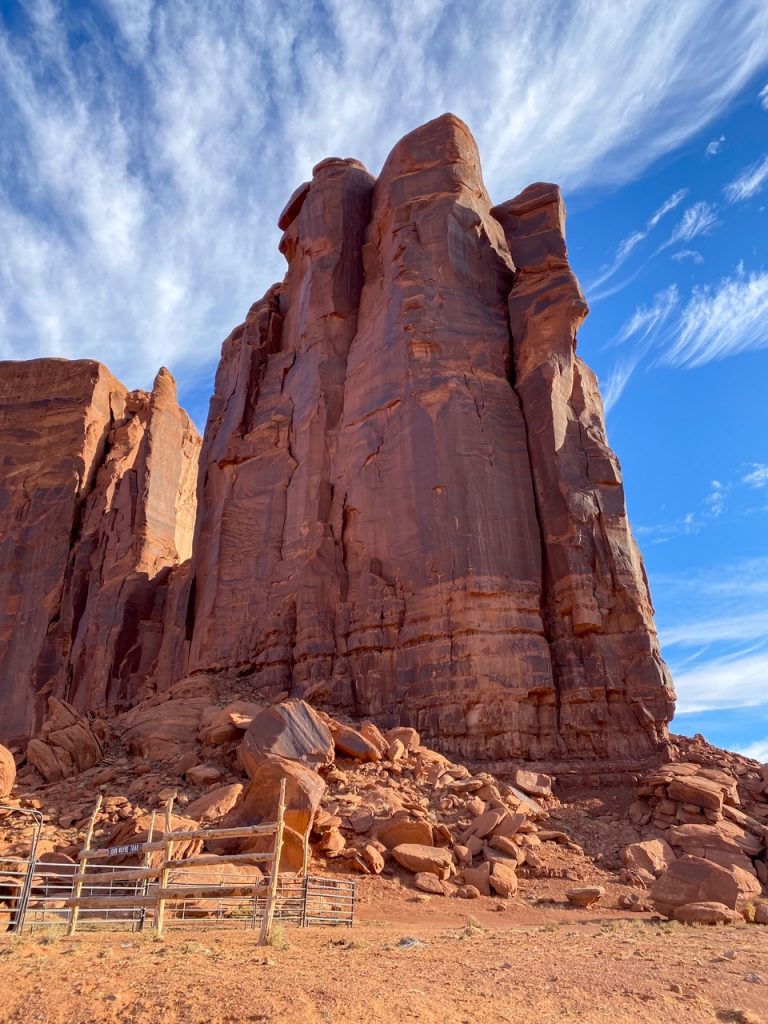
407	504
97	503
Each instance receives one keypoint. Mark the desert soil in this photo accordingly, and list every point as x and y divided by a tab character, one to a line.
408	958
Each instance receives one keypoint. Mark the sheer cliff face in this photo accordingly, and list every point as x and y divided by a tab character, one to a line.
407	502
97	502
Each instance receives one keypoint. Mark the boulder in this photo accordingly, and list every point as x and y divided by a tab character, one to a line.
373	858
696	790
215	803
652	857
585	896
479	877
761	913
304	792
468	892
407	736
399	831
705	913
509	825
292	731
7	772
351	743
725	836
201	775
375	737
486	823
506	847
695	880
532	783
332	842
227	724
417	858
241	879
427	882
396	750
66	744
503	879
161	730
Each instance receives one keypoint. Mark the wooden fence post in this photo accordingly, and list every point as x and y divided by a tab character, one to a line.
74	910
269	906
164	871
147	864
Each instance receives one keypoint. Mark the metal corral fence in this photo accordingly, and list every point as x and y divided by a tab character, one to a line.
39	892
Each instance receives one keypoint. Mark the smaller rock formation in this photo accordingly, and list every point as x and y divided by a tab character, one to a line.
696	807
695	880
97	506
66	744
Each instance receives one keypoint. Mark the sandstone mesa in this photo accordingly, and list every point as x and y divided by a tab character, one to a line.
406	507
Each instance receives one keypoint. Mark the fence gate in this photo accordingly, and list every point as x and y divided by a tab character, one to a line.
152	887
16	874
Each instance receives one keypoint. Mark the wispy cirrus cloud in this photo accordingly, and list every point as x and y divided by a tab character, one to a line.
716	322
643	328
734	628
687	254
628	245
757	750
698	219
757	476
763	97
718	660
748	183
731	681
714	147
721	321
147	147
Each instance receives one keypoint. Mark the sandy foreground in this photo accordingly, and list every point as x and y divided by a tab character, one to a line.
442	961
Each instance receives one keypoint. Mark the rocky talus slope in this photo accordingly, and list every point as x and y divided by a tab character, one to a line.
689	841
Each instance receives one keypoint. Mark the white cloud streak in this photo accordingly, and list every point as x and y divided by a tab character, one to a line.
714	147
687	254
763	97
748	183
757	750
698	219
757	476
147	148
737	681
716	322
721	321
627	245
749	626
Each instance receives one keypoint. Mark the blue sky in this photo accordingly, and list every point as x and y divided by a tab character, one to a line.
146	149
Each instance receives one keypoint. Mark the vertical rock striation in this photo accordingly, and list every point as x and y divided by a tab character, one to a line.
408	506
97	502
